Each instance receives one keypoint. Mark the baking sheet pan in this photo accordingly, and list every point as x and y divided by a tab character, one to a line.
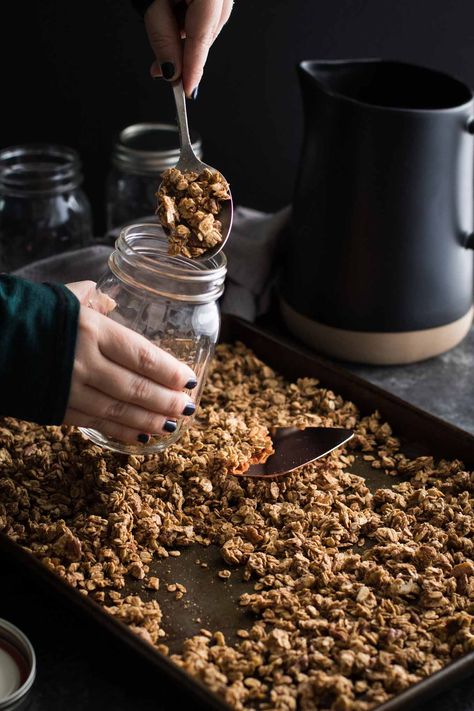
212	603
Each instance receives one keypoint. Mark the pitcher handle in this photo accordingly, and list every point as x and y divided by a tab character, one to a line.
469	239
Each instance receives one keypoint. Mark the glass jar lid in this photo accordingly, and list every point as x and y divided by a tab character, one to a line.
17	666
150	148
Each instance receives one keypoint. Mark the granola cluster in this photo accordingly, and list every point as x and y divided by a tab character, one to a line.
357	593
188	206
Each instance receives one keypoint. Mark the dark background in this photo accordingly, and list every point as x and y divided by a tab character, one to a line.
77	73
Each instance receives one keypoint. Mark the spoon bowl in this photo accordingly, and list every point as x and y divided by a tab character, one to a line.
188	161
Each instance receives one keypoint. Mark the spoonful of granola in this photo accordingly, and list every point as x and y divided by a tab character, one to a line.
194	201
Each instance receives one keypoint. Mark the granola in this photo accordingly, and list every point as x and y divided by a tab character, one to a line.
189	204
357	595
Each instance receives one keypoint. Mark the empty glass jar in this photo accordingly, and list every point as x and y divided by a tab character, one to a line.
171	300
140	155
43	210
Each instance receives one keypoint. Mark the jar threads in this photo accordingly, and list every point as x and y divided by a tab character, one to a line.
39	169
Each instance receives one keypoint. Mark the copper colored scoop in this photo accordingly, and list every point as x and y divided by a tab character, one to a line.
294	448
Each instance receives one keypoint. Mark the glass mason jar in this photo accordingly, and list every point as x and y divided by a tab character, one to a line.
43	210
140	155
172	301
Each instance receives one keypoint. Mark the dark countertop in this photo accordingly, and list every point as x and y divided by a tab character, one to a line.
81	666
443	385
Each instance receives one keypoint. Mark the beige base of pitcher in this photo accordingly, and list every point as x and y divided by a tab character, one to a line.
376	348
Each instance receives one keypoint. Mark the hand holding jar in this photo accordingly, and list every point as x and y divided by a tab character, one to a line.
164	323
122	384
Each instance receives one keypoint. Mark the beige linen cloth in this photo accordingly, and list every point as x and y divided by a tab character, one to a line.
252	252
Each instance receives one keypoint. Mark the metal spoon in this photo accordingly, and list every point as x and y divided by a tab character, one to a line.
188	161
295	448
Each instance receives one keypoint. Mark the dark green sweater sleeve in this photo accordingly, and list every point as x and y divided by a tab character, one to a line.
38	327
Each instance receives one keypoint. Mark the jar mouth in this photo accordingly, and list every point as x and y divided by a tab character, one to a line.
142	252
39	168
149	148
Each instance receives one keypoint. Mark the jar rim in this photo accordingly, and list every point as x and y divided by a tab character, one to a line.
178	267
128	156
41	147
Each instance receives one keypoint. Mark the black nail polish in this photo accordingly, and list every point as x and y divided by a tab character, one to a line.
194	94
170	426
167	69
192	382
143	438
189	409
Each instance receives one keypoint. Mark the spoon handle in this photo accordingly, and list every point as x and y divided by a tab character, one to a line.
184	140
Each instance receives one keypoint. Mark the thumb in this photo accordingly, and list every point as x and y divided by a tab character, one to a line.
82	290
164	37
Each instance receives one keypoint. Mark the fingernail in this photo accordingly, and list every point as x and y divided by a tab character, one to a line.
189	409
143	438
192	382
167	69
170	426
194	94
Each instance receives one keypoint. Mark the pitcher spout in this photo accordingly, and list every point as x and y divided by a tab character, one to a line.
387	84
340	77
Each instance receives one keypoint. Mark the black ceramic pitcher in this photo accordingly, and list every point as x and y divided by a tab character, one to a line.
379	267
